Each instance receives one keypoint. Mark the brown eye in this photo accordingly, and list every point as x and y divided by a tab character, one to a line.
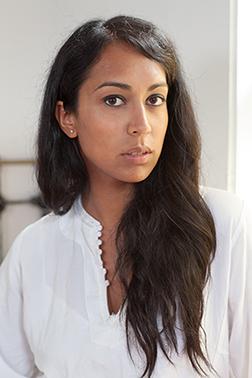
113	101
156	100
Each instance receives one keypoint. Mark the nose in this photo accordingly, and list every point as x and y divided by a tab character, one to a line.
139	122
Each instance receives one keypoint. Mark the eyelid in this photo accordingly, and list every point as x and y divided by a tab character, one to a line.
159	95
113	96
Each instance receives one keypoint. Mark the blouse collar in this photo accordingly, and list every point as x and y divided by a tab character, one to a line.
84	215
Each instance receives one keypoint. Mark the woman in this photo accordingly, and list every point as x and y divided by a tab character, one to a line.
138	271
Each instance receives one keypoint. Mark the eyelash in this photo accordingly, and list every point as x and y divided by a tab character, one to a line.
123	99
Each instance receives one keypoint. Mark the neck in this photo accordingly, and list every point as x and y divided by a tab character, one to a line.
106	202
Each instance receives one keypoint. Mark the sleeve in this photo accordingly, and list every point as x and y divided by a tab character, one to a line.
16	358
240	300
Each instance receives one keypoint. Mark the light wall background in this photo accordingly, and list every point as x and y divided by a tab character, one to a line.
30	35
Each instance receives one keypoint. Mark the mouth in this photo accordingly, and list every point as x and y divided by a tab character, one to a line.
139	150
138	158
137	153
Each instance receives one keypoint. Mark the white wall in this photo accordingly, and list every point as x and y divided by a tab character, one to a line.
244	102
30	34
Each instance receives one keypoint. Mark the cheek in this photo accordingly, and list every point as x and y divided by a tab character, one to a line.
161	129
97	141
96	127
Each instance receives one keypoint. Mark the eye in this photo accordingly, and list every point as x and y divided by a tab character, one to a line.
113	100
156	100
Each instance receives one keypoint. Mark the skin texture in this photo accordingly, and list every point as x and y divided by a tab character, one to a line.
108	122
109	126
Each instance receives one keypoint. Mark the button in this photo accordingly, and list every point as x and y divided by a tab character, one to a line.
104	270
100	251
99	242
107	283
99	227
99	234
101	263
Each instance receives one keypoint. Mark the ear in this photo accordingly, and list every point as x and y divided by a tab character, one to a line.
65	120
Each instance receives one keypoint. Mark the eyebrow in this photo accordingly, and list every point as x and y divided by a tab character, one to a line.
127	86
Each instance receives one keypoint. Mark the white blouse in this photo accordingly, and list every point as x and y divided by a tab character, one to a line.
54	317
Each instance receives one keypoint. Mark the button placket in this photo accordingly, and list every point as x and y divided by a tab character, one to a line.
96	233
104	270
105	281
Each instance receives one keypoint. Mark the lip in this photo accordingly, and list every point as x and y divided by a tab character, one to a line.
138	159
138	149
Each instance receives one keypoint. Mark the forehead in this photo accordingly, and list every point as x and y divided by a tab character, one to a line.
121	61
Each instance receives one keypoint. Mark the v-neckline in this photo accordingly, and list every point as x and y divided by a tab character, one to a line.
94	223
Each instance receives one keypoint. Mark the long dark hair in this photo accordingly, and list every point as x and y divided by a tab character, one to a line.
166	236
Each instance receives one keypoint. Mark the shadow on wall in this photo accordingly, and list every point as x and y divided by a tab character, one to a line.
20	202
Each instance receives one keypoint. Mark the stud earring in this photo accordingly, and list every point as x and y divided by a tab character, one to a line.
71	131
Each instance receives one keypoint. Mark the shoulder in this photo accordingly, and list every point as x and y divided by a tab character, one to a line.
221	200
40	245
36	238
40	228
226	207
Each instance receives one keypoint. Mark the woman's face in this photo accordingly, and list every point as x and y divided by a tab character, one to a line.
121	107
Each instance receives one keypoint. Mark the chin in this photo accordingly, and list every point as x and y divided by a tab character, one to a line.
135	175
136	178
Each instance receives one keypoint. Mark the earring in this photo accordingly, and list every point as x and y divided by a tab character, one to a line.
71	131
